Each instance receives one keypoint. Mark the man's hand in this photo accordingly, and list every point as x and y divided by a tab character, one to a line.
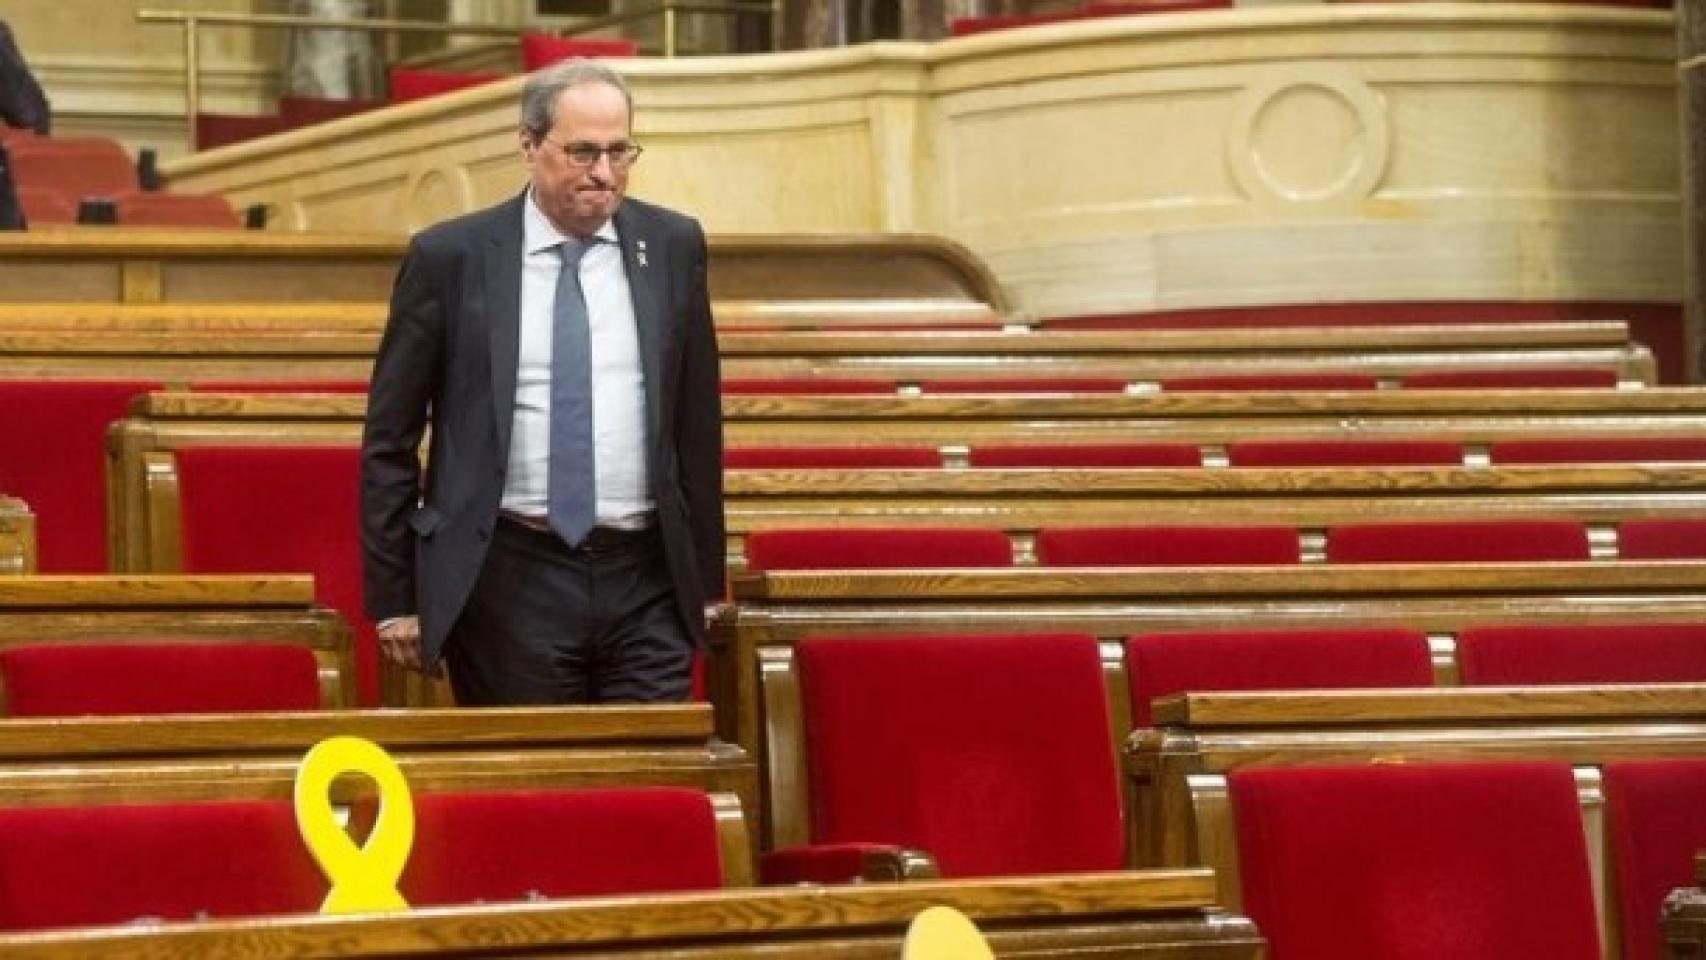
400	642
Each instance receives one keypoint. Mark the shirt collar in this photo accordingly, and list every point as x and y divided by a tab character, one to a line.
540	234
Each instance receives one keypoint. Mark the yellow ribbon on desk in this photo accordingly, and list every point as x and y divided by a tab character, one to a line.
943	933
364	878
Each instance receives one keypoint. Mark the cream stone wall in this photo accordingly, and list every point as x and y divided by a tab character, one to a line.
1283	153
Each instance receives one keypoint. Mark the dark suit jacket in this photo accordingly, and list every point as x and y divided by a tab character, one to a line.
452	344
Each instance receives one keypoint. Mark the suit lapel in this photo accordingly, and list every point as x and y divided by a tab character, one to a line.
503	316
640	253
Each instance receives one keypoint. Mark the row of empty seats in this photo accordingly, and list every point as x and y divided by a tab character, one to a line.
56	177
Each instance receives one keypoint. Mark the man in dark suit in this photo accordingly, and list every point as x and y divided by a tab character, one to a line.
22	103
568	531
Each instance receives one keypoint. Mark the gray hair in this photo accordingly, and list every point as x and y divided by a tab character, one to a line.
539	95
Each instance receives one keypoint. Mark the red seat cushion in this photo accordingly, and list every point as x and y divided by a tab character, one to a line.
971	26
877	548
1271	382
73	679
1453	541
1024	385
45	206
139	209
81	866
75	166
992	753
505	846
283	509
1583	653
415	84
55	461
299	111
759	458
1167	546
1344	453
1657	823
1599	450
1662	539
1416	861
543	49
1161	664
1087	455
1515	378
807	386
221	129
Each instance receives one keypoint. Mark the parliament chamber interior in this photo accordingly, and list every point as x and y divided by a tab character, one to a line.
1202	479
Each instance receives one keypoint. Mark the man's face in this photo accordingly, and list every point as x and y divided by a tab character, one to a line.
579	199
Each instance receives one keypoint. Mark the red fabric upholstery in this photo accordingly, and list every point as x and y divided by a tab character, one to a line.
139	209
300	111
1510	379
1344	453
967	26
1662	539
807	386
1583	653
80	679
281	510
1087	455
1161	664
280	386
44	206
221	129
758	458
992	753
1271	382
1599	450
1451	541
543	49
75	166
55	461
877	548
971	26
1416	861
1024	385
820	863
560	843
1656	824
412	84
78	866
1185	546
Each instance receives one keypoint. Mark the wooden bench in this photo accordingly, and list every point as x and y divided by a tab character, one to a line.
754	685
276	609
1168	913
17	537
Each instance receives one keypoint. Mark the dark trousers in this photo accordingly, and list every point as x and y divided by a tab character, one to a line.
548	624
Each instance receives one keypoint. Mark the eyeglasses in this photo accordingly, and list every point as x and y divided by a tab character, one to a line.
586	154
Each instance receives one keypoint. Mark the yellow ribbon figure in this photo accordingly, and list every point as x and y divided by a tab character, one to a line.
943	933
363	879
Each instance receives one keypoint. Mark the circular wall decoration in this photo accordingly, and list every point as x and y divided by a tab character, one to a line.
1309	139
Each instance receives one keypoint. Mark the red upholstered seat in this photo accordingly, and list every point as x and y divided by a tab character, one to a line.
1583	653
758	458
80	679
416	84
1272	381
1515	378
1453	541
1599	450
54	459
993	753
1167	546
807	386
560	843
45	206
282	509
1662	539
221	129
1416	861
138	209
88	865
543	49
874	548
1087	455
1344	453
299	111
1657	823
75	166
1161	664
1024	385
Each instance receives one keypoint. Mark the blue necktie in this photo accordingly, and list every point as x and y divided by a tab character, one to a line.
571	485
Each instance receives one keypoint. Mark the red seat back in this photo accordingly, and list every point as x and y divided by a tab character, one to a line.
761	458
877	548
45	206
1458	541
992	753
543	49
1416	861
221	129
1599	450
85	679
89	865
176	210
416	84
1515	378
282	509
506	846
1662	539
299	111
75	166
1178	546
1266	382
1087	455
1161	664
1657	823
1583	653
1344	453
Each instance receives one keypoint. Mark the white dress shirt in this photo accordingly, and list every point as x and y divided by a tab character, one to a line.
618	384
